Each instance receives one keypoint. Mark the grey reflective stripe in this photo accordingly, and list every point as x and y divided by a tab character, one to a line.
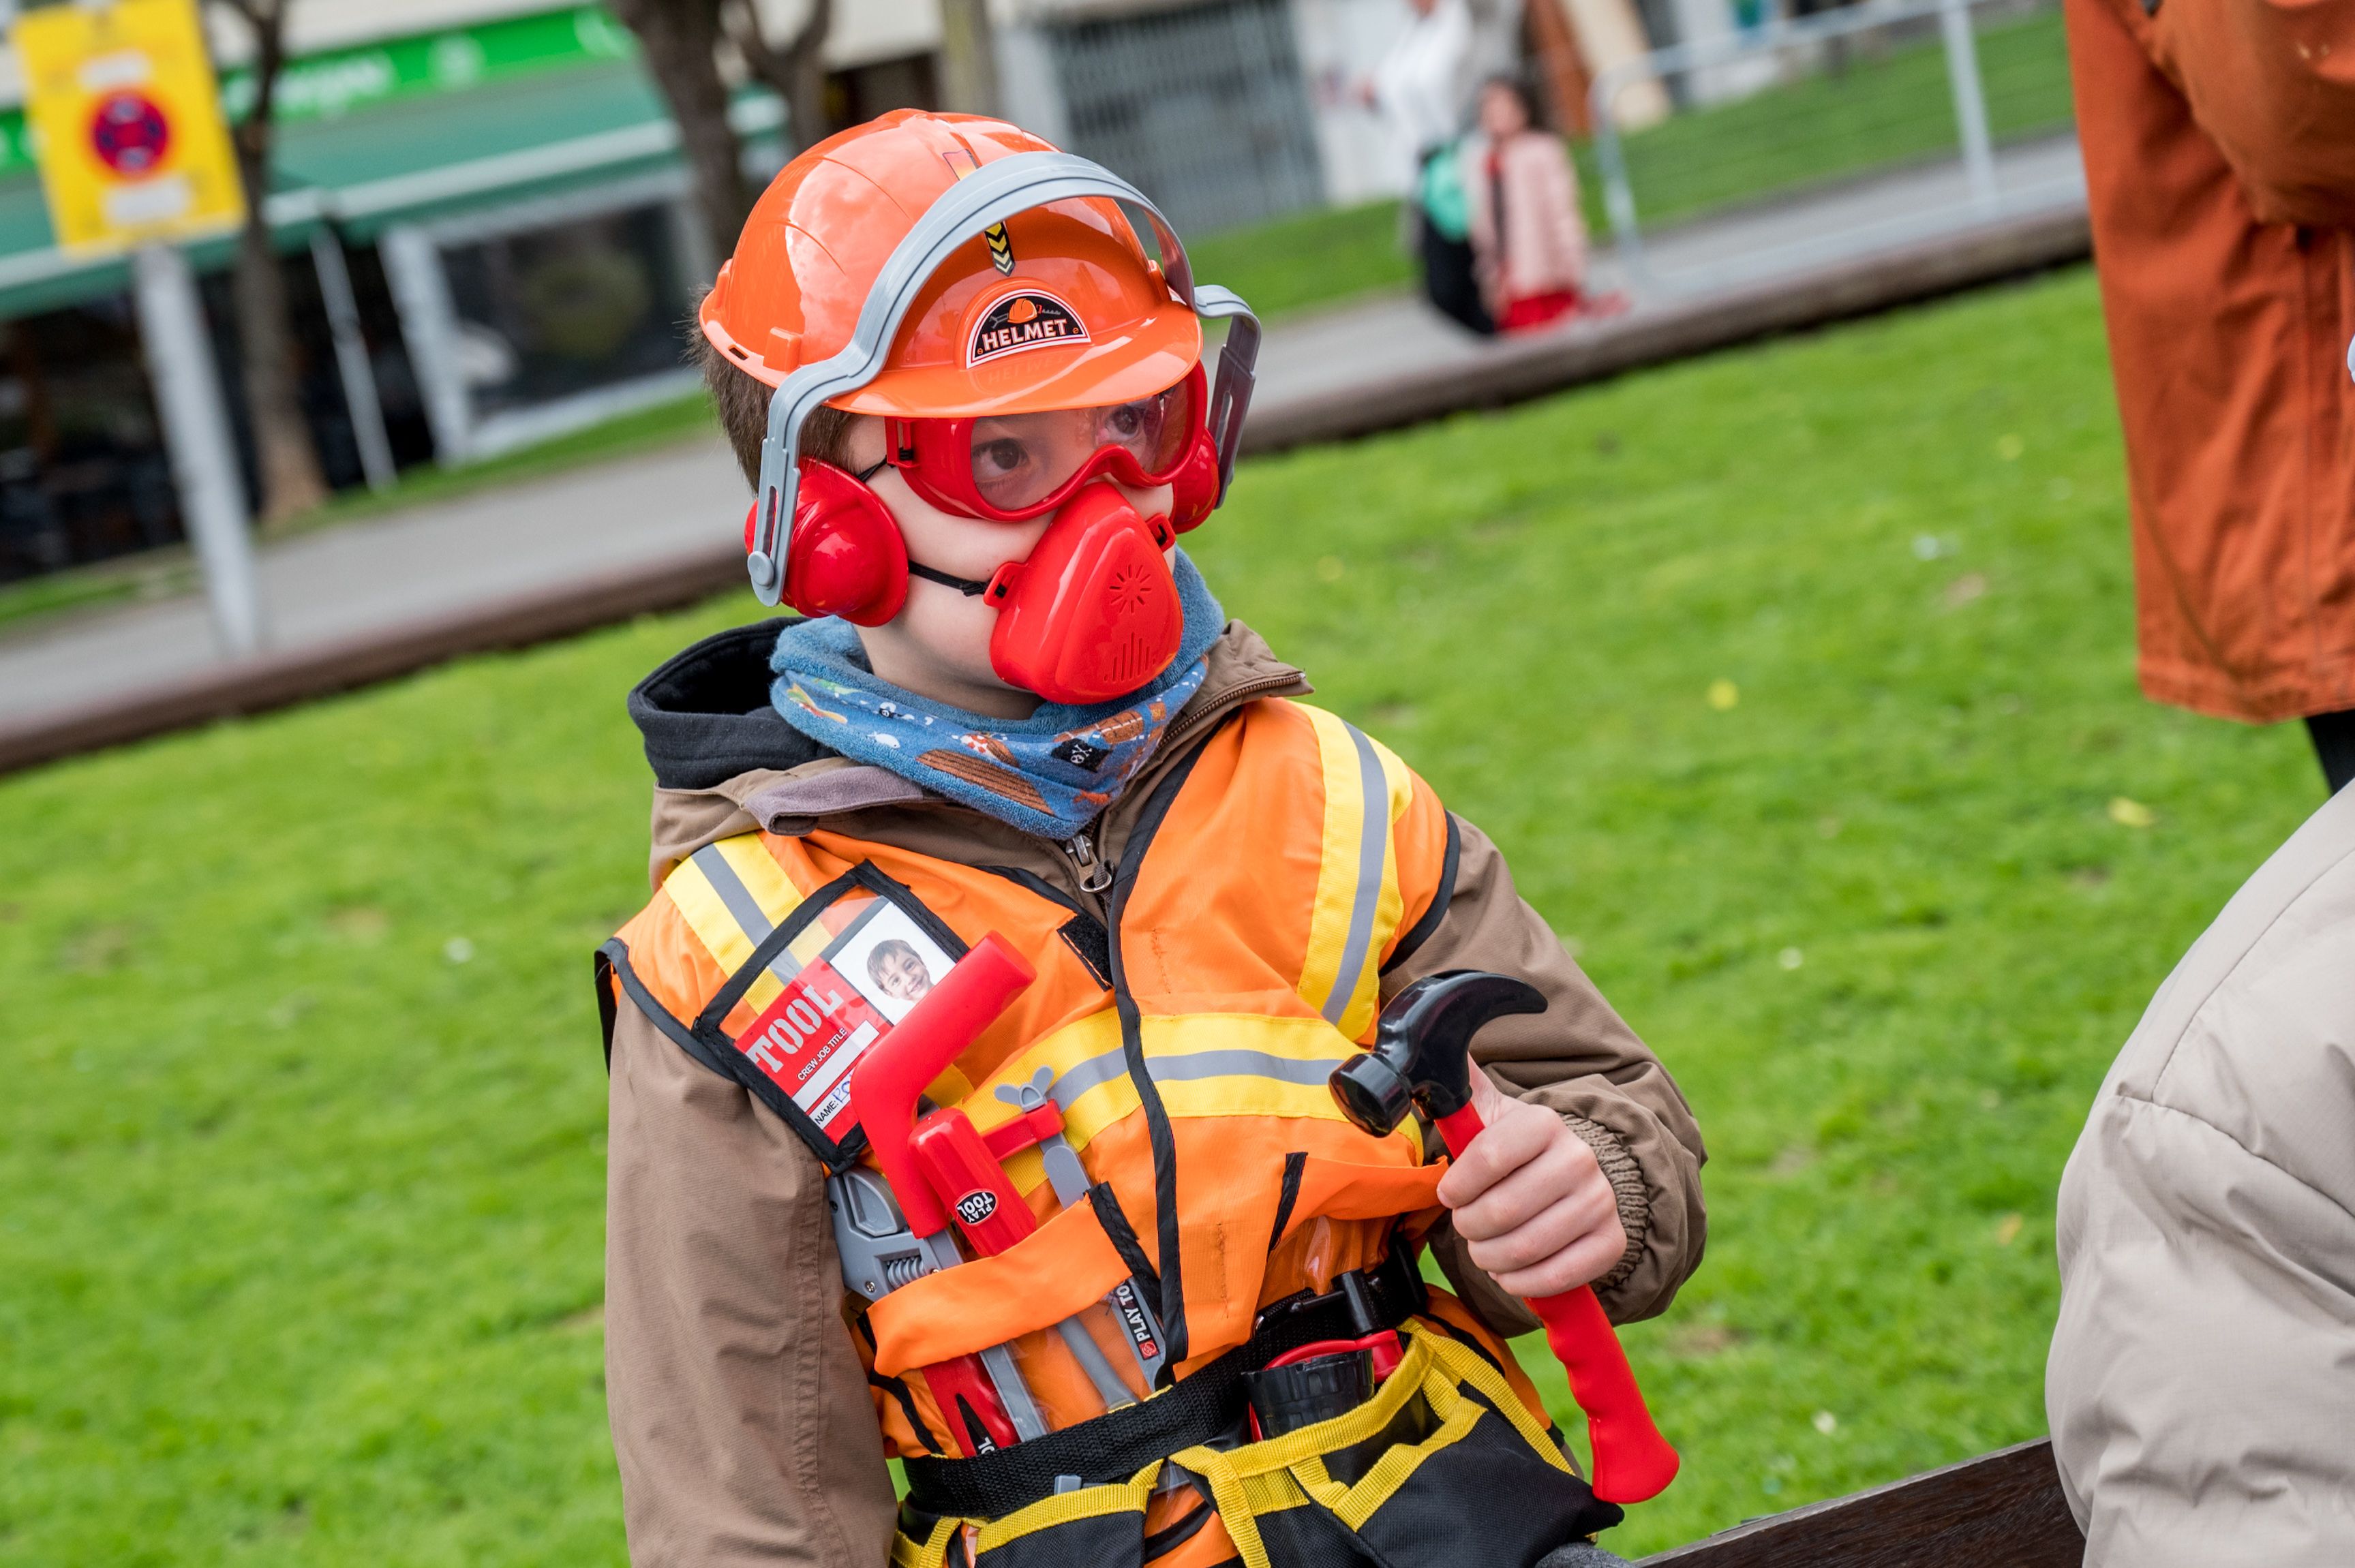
1237	1064
1373	841
742	906
1088	1074
1097	1070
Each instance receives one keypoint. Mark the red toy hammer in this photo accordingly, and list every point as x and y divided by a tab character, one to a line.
1421	1055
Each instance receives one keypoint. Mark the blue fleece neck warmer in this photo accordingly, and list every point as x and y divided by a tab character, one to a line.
1049	774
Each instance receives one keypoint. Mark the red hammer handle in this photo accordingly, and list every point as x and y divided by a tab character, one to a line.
1633	1462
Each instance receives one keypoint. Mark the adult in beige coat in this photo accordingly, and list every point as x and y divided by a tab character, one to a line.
2201	1386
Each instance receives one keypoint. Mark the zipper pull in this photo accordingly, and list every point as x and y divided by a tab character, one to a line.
1094	874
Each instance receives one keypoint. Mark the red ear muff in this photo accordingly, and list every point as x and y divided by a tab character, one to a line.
844	555
1194	489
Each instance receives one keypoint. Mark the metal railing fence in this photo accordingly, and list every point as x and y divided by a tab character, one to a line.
1911	115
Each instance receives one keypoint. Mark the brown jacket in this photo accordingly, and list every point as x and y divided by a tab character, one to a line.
740	1414
2219	139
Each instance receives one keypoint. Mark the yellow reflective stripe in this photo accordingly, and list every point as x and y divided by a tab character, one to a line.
762	877
732	894
707	916
1336	871
1389	902
1205	1064
1358	901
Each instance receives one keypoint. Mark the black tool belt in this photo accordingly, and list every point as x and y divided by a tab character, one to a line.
1201	1408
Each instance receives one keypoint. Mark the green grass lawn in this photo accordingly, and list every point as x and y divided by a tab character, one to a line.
1881	107
1310	259
1795	682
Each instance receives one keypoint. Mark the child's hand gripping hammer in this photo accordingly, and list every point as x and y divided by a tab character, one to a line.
1422	1056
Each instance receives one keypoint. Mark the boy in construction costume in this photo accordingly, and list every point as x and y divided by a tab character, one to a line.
977	414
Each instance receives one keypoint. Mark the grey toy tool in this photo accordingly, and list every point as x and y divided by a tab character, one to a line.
1068	1178
881	1253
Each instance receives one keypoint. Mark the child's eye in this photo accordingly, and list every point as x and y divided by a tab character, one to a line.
994	459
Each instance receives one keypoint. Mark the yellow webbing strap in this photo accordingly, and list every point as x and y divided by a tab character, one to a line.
1066	1508
1367	790
1285	1472
906	1554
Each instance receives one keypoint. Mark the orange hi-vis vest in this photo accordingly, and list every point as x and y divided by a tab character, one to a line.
1186	1040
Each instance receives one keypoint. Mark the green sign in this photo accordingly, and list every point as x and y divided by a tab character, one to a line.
324	86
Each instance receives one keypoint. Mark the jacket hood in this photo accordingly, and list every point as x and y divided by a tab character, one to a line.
706	715
725	762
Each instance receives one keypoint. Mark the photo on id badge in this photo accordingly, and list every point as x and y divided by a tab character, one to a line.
867	978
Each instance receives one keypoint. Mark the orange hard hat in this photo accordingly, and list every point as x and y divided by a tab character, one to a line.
820	235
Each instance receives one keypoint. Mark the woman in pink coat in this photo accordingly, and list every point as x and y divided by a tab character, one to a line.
1526	235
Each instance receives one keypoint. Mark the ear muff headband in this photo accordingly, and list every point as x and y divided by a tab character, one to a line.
995	192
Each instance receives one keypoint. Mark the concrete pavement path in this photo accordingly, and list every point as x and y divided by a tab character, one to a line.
347	580
483	550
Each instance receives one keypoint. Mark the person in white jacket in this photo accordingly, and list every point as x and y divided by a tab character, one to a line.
2201	1383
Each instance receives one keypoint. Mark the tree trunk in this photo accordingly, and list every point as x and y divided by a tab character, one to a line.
288	462
1568	81
679	37
797	72
968	57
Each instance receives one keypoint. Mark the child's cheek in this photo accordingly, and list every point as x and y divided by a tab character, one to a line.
951	628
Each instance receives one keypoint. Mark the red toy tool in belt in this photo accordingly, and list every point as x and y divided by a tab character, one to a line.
884	1087
945	1160
1422	1056
965	1175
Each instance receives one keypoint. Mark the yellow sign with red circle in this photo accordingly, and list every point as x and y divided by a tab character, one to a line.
126	114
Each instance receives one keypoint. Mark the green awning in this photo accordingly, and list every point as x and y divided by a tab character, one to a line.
408	158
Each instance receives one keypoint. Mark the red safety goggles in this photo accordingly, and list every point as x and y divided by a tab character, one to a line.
1009	468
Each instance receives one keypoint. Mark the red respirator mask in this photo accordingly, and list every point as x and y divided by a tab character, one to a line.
1093	611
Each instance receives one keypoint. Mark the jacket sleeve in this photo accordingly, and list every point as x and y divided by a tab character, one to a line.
1580	1059
741	1419
2201	1375
2271	82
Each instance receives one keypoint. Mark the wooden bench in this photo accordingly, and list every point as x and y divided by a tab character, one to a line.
2002	1509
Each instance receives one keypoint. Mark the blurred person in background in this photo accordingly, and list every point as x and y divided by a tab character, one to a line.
2219	139
1424	88
1528	239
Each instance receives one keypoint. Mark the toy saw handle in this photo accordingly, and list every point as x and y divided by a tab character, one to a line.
1633	1463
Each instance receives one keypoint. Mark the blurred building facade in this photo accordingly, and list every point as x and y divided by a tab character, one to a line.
499	184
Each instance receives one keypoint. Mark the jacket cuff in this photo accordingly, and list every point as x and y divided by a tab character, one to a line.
1627	1179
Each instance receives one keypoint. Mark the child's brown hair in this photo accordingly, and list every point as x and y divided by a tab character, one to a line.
743	405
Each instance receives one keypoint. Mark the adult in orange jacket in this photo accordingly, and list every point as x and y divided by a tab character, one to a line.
2219	139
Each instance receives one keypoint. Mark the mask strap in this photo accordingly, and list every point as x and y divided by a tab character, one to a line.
969	587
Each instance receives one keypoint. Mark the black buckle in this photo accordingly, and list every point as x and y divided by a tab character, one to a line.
1362	1300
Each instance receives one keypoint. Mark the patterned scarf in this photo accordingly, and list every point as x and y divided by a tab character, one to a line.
1049	774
